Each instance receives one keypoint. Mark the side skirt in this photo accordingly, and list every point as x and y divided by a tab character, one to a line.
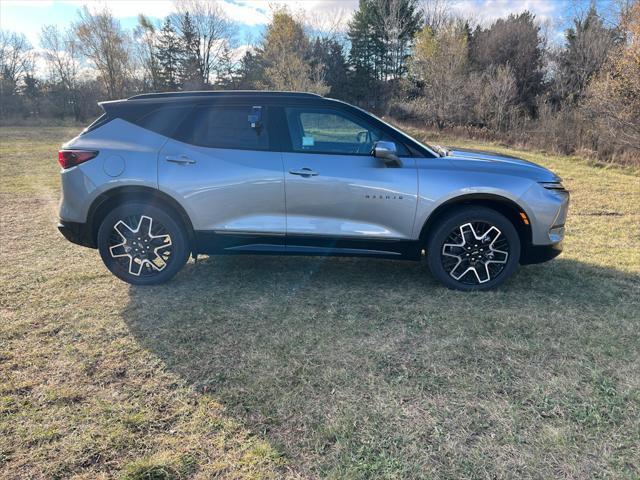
223	243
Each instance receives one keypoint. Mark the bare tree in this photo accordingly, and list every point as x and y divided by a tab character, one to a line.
589	42
437	13
16	64
16	56
496	103
393	20
397	21
329	25
296	75
103	42
514	40
213	33
613	97
438	64
61	53
146	35
284	53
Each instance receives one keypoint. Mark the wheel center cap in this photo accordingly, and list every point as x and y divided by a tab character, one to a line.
137	248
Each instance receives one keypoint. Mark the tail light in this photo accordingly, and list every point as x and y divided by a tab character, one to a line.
71	158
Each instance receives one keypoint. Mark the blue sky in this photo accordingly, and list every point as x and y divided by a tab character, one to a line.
250	16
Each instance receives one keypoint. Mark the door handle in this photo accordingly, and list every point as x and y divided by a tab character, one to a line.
181	160
304	172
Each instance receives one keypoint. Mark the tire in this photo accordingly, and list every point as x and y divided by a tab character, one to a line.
155	256
474	248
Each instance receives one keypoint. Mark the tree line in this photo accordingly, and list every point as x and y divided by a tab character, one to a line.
409	59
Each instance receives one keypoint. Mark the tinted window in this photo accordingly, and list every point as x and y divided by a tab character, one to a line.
164	120
98	122
331	131
224	127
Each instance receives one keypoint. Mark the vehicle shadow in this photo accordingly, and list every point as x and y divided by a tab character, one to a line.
299	348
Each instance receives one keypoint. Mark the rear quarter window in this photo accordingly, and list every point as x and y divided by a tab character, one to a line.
98	122
224	127
163	120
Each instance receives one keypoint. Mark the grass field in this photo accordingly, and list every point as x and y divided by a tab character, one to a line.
274	367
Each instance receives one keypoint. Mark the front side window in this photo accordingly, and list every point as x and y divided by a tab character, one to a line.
224	127
330	131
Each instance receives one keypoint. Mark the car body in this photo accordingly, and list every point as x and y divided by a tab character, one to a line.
294	173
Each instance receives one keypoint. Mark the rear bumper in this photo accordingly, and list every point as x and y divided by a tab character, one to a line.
77	233
540	253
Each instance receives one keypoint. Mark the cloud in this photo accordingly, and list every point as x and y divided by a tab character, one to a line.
247	13
155	8
30	4
128	8
336	13
238	52
486	11
251	15
258	12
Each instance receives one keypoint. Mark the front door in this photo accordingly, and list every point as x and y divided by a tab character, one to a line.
220	169
338	196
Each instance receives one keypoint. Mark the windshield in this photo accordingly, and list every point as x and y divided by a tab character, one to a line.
433	150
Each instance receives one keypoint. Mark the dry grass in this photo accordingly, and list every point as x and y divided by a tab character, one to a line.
272	367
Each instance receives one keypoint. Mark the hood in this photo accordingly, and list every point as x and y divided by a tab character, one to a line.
477	160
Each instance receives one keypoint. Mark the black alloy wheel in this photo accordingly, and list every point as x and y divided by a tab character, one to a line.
474	249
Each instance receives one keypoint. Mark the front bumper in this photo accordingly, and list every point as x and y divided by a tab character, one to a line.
540	253
543	251
77	233
547	211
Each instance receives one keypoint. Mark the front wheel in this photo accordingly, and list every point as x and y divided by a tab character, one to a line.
142	244
475	248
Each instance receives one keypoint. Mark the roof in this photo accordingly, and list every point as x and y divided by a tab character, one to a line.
224	93
141	104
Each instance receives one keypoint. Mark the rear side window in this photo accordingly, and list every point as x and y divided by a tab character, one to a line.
98	122
164	120
224	127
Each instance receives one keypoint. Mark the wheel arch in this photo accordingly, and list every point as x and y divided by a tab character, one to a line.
507	207
107	201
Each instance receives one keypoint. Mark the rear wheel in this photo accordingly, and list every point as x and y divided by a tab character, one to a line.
142	244
475	248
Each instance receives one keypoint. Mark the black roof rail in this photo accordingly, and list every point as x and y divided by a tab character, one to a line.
224	93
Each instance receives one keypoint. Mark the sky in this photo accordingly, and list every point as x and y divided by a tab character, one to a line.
251	16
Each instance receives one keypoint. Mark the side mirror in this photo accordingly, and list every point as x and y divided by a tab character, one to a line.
387	152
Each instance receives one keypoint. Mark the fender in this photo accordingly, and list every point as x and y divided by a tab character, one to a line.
107	200
506	206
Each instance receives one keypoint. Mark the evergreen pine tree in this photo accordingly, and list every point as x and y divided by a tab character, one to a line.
381	33
250	70
168	57
328	54
588	45
31	93
190	67
226	72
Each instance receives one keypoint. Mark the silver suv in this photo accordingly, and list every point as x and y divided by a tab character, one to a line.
160	177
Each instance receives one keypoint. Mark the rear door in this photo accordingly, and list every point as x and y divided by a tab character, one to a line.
219	167
335	188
